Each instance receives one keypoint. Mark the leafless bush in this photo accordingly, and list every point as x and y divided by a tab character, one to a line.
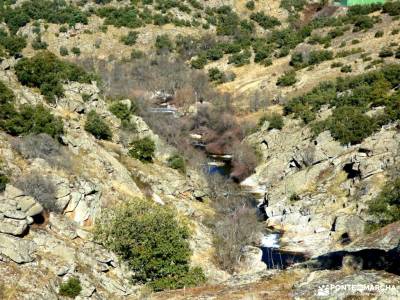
41	188
232	233
235	224
45	147
244	161
309	155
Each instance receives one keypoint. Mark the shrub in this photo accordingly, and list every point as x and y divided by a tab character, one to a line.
97	127
122	111
265	21
199	62
379	34
250	5
153	243
349	125
71	288
287	79
76	51
240	59
164	44
42	146
385	52
12	43
216	75
38	44
319	56
47	72
386	206
136	54
41	188
3	182
177	162
346	69
130	39
126	16
215	53
143	149
63	51
275	121
31	119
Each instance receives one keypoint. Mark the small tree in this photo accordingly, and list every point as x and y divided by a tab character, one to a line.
386	206
287	79
177	162
152	241
71	288
130	39
275	121
143	149
97	127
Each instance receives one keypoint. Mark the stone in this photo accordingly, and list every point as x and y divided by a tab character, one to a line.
13	227
15	214
17	249
36	209
251	260
63	271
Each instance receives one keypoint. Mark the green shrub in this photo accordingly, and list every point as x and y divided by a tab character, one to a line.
121	17
250	5
350	125
3	182
266	22
385	52
275	121
287	79
346	69
177	162
297	5
164	44
76	51
143	149
56	12
46	72
153	243
199	62
130	39
240	59
122	111
216	75
386	206
63	51
97	126
71	288
215	53
379	34
30	120
38	44
12	43
318	56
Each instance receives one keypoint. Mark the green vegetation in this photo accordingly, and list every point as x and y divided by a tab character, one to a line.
52	11
350	98
71	288
143	149
3	182
63	51
266	22
46	72
287	79
28	119
13	43
130	39
122	111
97	126
250	5
346	69
164	44
386	206
275	121
76	51
153	243
177	162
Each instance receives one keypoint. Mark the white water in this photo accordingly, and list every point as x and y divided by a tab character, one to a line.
270	241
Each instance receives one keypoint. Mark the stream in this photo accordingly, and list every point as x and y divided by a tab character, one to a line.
270	245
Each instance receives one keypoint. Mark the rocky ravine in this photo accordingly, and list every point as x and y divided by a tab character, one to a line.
317	190
39	251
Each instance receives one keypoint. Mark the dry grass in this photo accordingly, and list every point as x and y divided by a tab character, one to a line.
279	286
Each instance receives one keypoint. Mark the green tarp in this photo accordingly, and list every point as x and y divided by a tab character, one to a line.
360	2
